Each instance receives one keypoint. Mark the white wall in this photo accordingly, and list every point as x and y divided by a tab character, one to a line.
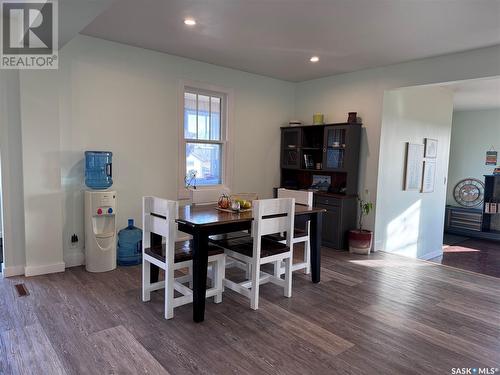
41	172
410	223
125	99
12	179
473	133
363	91
1	209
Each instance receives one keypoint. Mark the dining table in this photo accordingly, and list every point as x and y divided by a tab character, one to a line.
204	220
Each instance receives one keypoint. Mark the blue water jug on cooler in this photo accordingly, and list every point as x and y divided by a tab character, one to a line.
98	169
129	245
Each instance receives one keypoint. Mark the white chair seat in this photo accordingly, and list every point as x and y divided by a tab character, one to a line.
183	251
299	235
244	246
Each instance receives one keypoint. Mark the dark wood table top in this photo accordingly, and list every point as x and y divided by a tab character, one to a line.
206	215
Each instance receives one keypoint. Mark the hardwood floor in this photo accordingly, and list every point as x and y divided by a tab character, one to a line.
474	255
377	314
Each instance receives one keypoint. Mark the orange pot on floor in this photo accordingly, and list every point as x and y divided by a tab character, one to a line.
360	241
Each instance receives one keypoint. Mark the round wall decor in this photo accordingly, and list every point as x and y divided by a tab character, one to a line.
469	192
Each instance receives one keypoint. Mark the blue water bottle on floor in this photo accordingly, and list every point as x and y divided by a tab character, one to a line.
130	245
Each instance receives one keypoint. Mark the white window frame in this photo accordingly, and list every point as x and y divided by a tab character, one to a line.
226	120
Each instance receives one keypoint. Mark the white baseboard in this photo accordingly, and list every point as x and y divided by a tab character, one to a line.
434	254
74	258
44	269
12	271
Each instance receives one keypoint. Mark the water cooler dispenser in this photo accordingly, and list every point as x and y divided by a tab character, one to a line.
100	231
100	211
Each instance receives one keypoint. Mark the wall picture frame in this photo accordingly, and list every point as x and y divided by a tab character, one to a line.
413	166
429	176
491	157
431	146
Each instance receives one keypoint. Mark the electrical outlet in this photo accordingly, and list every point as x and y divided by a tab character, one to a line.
74	241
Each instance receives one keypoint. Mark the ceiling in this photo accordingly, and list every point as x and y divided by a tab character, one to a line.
277	37
475	94
74	15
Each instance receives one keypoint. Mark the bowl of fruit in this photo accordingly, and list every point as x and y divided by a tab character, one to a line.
244	200
236	202
243	204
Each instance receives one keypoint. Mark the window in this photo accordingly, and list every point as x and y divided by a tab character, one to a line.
204	137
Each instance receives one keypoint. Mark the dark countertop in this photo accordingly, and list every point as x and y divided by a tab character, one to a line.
327	194
335	195
319	125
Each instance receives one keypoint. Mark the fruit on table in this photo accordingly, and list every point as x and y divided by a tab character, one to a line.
244	204
224	201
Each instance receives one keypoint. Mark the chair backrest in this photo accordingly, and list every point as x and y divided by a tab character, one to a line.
159	218
304	197
207	196
272	216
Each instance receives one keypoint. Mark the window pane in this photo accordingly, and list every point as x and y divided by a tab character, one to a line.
203	117
190	115
205	160
215	119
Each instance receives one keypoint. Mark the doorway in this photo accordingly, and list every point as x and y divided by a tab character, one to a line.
471	238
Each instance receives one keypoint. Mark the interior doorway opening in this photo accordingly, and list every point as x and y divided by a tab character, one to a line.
413	219
471	238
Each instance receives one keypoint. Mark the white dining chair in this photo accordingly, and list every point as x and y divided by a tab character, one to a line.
159	217
270	216
305	198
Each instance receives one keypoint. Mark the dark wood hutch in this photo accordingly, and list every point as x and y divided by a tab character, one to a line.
332	151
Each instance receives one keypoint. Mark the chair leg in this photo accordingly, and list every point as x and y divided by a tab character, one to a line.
248	271
288	278
190	272
212	273
277	268
307	257
169	293
219	272
146	281
223	275
254	296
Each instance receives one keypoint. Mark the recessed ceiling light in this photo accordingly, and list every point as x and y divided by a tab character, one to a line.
189	22
314	59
